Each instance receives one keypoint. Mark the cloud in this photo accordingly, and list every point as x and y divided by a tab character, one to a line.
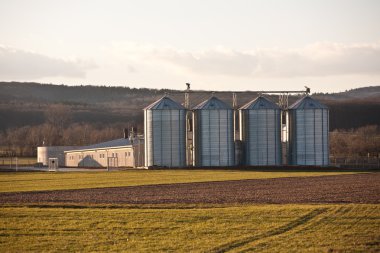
217	61
18	64
319	59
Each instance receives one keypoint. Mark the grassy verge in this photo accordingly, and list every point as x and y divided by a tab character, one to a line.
32	181
21	161
259	228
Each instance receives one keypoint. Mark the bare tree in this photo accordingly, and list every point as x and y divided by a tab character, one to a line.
58	115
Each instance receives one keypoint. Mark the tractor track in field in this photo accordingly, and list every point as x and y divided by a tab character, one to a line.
351	188
277	231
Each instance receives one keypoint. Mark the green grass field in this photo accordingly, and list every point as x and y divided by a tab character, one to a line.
259	228
33	181
175	227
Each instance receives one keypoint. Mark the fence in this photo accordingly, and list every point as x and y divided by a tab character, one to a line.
356	162
21	161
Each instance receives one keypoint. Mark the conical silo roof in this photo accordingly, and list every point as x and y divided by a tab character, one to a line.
307	103
260	103
213	103
165	103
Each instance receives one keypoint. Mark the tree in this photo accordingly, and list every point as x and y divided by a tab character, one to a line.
58	117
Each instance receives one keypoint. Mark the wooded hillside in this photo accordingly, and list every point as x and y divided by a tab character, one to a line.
23	104
78	115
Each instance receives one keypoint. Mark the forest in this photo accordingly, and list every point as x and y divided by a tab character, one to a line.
33	114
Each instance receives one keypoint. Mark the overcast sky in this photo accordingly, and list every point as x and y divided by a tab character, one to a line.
329	45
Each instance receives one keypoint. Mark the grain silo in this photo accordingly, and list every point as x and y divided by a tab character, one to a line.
260	132
165	139
213	134
308	130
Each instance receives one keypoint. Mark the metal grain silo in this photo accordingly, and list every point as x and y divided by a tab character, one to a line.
213	134
308	130
165	139
260	132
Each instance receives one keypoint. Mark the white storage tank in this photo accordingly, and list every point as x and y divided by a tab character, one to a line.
308	130
165	134
260	132
213	134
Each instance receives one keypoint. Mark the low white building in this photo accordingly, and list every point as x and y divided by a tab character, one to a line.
116	153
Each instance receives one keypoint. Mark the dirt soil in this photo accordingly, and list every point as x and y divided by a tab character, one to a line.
353	188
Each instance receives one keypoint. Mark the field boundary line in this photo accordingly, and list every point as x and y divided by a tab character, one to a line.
282	229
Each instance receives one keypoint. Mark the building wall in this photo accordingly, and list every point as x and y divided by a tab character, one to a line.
213	136
309	137
260	131
165	138
122	157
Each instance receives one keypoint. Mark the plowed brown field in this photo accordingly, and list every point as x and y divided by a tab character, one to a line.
353	188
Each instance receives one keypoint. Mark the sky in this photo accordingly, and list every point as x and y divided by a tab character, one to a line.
328	45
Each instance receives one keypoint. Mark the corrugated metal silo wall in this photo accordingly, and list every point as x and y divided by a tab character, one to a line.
261	135
213	138
165	138
308	137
